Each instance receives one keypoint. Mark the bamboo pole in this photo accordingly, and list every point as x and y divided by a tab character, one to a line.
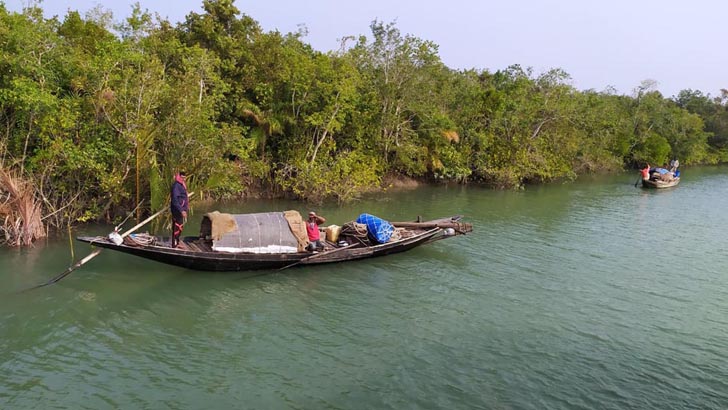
428	225
93	254
318	255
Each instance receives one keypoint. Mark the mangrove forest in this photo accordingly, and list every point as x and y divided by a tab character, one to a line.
97	114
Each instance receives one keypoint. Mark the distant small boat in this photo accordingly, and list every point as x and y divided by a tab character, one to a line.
660	178
246	242
658	183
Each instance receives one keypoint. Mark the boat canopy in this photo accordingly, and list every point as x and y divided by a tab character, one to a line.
268	232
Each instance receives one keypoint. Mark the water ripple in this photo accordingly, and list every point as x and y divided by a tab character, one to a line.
581	296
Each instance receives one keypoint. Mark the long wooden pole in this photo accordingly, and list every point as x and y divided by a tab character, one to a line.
69	270
428	225
318	255
142	223
93	254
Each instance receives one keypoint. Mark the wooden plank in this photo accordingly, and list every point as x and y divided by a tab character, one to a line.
318	255
430	225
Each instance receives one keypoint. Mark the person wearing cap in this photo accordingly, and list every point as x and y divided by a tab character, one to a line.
312	229
179	205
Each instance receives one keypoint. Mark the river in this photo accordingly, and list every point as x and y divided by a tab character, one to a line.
588	295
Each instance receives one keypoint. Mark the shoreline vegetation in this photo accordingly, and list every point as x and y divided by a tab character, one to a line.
98	113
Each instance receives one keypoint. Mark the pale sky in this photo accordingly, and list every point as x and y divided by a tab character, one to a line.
618	43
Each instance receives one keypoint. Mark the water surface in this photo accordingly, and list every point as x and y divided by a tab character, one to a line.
588	295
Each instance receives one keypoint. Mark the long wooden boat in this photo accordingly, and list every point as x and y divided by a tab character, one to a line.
201	252
658	183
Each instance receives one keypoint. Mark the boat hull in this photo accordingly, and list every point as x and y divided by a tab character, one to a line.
658	184
234	262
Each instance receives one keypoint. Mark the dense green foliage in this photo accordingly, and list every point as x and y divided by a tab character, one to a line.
100	116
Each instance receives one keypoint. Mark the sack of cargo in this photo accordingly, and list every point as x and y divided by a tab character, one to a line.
379	229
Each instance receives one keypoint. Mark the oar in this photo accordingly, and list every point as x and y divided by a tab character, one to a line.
318	255
459	227
69	270
638	181
142	223
93	254
430	225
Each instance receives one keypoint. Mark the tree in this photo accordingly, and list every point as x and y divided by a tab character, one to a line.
395	66
714	113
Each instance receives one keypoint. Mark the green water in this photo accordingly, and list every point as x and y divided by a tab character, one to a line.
591	295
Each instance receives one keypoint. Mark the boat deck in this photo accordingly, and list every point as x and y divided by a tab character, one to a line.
196	253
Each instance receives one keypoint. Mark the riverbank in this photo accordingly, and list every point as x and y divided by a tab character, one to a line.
14	211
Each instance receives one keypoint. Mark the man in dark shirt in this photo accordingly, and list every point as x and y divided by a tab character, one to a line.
179	205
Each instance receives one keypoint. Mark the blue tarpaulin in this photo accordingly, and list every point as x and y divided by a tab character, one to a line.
379	229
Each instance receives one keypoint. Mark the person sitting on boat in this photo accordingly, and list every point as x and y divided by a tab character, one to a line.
673	165
179	205
312	229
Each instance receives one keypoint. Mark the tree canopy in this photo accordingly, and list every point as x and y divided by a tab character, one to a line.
99	115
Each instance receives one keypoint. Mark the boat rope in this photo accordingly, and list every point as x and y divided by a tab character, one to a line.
140	239
355	231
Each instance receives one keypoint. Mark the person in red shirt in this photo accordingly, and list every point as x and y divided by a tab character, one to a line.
312	229
646	171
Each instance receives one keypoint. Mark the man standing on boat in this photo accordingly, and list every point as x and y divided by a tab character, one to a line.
645	171
312	229
179	205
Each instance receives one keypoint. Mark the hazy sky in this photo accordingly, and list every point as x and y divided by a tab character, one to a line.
619	43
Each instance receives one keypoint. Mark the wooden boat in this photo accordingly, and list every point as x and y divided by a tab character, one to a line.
203	252
658	183
653	178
